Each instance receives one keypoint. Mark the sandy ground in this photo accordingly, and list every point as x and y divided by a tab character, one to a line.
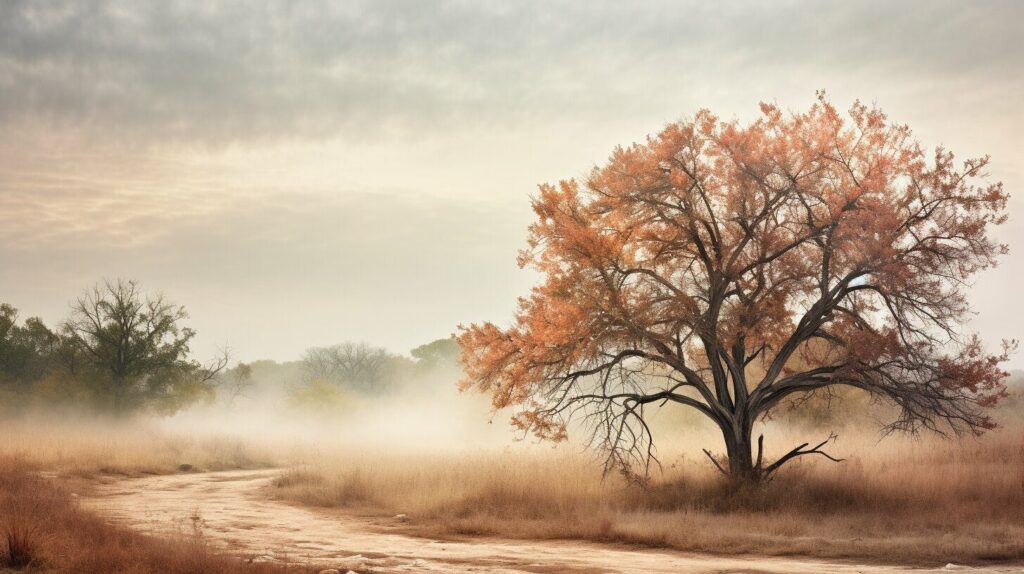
232	511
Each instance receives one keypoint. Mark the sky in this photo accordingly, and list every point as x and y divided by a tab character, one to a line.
299	174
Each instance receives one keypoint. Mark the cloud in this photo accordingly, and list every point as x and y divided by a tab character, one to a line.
216	72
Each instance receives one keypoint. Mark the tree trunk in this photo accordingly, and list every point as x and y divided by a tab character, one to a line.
738	447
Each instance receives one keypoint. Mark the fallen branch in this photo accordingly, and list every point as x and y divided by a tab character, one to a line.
800	451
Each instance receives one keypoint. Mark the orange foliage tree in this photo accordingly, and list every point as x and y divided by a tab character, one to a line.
724	267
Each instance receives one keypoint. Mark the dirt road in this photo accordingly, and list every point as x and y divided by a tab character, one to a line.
232	512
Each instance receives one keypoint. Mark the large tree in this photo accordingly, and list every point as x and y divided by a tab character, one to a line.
726	268
138	346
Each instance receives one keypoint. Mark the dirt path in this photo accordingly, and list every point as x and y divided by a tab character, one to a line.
233	513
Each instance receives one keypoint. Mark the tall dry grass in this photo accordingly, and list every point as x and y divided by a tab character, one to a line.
86	446
927	501
42	530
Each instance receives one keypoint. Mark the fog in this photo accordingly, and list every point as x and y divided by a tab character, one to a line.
426	414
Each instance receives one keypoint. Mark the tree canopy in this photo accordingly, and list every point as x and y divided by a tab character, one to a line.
139	343
440	352
724	267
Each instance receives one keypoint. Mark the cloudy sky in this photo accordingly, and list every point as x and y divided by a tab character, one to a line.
304	173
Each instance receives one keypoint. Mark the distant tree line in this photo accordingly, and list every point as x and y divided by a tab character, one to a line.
120	350
330	377
357	366
365	369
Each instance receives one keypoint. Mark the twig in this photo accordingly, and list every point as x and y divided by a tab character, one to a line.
718	466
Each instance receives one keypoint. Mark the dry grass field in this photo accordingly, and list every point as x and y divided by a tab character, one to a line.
926	501
86	446
43	529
